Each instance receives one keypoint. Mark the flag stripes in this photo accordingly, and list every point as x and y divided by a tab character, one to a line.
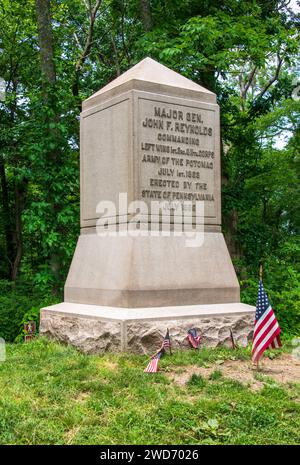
193	338
167	341
266	327
152	366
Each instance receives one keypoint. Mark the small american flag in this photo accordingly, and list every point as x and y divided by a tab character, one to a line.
152	366
167	342
266	327
193	338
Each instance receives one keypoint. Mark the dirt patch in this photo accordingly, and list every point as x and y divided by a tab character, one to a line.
106	364
70	435
82	397
283	369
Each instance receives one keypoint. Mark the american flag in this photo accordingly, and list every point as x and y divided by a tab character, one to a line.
167	342
152	366
193	338
266	327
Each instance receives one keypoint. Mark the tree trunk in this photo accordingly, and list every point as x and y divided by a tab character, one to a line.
45	40
208	78
146	16
92	12
45	37
8	232
19	206
230	227
12	221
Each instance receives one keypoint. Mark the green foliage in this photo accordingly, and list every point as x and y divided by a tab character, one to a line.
16	308
196	381
205	356
246	52
282	283
33	314
215	375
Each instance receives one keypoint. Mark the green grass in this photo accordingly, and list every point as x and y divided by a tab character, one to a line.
51	394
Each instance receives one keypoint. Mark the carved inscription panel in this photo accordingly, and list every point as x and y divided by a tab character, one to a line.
177	154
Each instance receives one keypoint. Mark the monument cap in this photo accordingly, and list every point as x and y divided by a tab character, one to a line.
149	75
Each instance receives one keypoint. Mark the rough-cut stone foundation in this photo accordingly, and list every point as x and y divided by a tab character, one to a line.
95	329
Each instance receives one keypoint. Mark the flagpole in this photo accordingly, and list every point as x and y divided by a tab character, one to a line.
262	327
170	344
152	356
232	340
260	277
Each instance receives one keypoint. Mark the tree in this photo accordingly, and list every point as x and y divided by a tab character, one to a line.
55	57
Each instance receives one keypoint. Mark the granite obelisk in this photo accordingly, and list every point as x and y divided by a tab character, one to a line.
150	135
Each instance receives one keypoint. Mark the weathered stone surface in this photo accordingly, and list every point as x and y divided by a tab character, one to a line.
89	335
145	337
80	326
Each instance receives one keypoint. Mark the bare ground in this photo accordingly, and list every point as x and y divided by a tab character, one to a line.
283	369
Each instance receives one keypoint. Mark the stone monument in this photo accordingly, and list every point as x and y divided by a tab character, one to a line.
149	137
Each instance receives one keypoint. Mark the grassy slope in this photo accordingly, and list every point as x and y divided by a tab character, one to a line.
51	394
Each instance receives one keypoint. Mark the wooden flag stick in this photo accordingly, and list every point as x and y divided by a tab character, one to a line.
260	277
152	356
170	343
232	340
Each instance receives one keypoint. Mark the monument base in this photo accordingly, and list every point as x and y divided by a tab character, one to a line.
142	272
97	329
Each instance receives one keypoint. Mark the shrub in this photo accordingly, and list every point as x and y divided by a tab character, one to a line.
282	283
18	305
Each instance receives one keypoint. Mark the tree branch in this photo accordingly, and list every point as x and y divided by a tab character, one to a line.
273	79
249	82
116	56
89	40
126	52
77	41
